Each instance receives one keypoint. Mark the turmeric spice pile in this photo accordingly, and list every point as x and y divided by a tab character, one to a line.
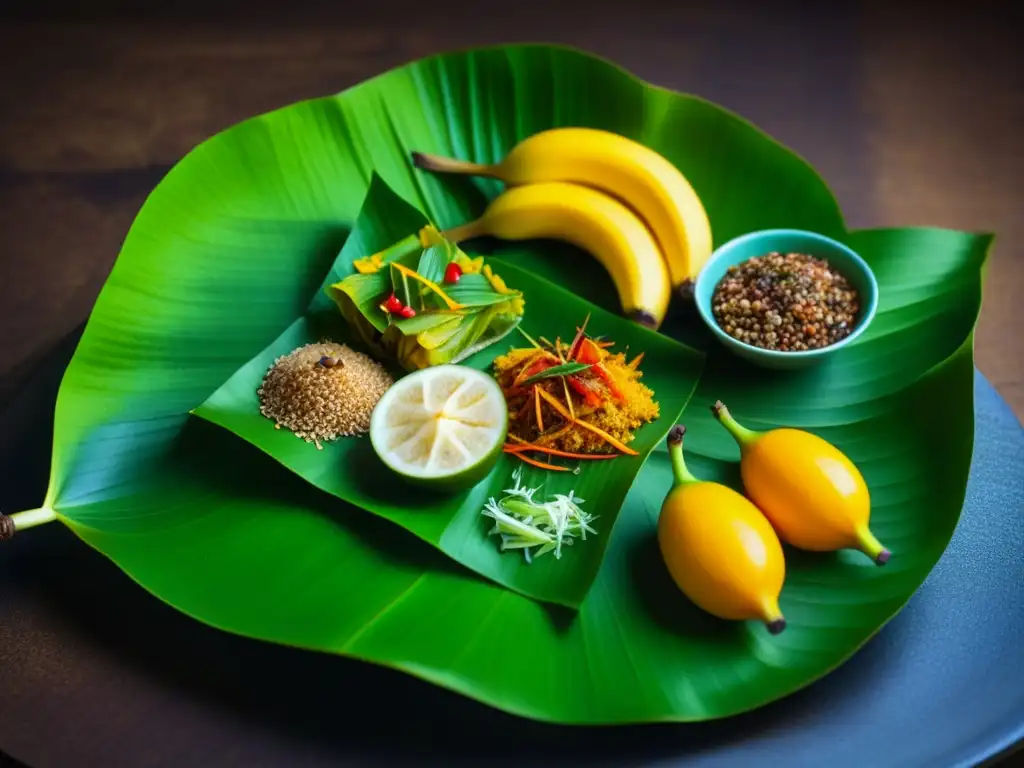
578	400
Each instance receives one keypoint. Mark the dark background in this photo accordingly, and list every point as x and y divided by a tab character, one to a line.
914	115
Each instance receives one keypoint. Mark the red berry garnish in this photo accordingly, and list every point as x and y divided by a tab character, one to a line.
452	273
407	312
392	304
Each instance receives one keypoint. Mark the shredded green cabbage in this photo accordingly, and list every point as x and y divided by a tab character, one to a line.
524	523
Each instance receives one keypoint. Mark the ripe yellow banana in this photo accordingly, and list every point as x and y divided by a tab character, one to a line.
593	221
636	174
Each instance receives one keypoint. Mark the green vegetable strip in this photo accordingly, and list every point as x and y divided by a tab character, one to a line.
564	369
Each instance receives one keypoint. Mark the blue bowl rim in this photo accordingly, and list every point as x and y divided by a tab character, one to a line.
867	315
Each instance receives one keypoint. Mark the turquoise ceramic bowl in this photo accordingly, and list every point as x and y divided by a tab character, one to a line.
841	257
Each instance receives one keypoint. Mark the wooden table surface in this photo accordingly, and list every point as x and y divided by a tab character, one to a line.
912	119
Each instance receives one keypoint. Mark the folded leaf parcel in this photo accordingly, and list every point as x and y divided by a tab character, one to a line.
424	302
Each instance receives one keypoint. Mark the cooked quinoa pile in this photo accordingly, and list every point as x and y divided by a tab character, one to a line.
323	391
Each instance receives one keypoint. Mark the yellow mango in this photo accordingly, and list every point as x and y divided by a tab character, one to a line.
814	496
719	549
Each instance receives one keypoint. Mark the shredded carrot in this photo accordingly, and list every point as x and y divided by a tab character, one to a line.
574	418
580	332
550	436
556	452
536	399
568	399
521	413
608	438
555	404
617	444
540	464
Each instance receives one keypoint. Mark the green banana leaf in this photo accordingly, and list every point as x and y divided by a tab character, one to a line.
350	470
229	249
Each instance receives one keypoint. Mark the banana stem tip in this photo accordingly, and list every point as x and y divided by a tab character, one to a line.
20	521
745	437
644	318
776	626
883	557
438	164
680	473
7	528
675	435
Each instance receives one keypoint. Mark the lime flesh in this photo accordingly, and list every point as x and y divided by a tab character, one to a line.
442	426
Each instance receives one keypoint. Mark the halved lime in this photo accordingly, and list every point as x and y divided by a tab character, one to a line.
442	426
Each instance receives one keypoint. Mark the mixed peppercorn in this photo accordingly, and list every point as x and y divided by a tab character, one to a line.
787	302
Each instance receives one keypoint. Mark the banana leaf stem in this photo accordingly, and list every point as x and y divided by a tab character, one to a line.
438	164
675	451
20	521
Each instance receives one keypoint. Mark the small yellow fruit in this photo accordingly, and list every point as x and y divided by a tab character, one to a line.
719	549
814	496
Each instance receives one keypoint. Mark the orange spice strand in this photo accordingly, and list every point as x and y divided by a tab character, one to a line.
550	436
555	452
540	464
608	438
555	404
536	400
523	411
568	399
617	444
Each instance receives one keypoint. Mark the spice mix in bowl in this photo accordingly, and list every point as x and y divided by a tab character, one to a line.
786	298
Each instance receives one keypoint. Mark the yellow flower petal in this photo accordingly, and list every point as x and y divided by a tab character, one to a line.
467	265
369	265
